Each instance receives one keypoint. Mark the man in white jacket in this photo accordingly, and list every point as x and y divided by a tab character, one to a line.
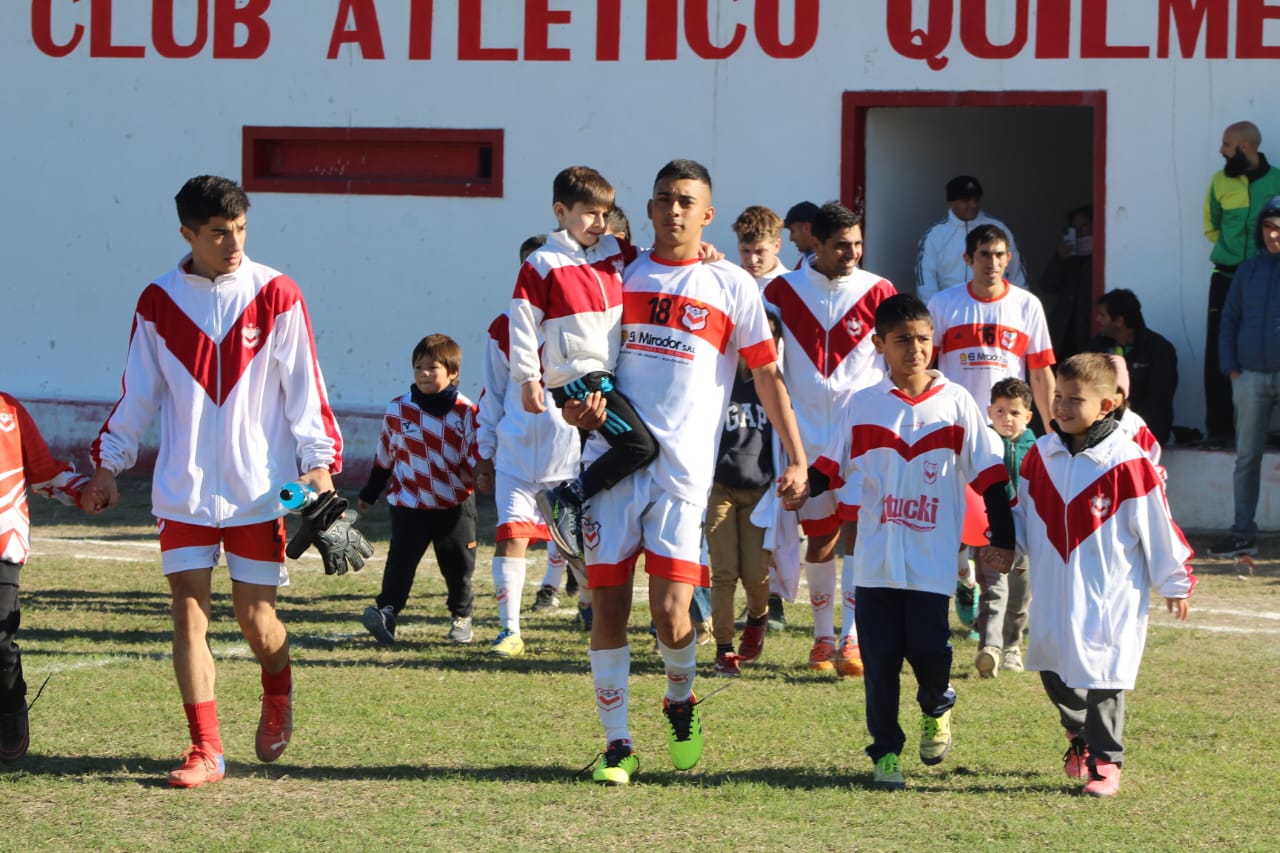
940	261
222	349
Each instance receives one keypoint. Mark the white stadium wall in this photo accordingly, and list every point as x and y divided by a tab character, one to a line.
110	105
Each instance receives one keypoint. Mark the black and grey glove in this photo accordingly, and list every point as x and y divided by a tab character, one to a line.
326	524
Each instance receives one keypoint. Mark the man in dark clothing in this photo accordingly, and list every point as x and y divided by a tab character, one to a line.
1151	359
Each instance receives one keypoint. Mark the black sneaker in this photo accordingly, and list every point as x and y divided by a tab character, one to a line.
1234	546
777	618
15	735
563	513
380	623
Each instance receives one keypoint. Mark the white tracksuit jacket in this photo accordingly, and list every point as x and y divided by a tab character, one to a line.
230	365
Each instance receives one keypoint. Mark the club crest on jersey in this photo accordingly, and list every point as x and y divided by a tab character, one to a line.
252	336
591	533
821	599
694	318
854	326
931	472
919	513
7	423
1099	505
1008	338
610	698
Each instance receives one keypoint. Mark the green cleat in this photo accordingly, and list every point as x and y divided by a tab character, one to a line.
617	764
888	776
935	737
684	732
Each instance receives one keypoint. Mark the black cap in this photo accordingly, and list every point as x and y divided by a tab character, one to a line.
963	186
802	212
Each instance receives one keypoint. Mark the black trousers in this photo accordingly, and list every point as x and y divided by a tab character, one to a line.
452	533
1219	414
13	689
631	445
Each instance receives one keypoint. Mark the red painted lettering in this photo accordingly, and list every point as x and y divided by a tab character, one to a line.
927	44
420	12
1251	15
163	37
100	44
769	28
973	31
227	16
662	30
470	31
1093	35
1053	29
42	30
1188	17
697	30
608	30
357	23
538	19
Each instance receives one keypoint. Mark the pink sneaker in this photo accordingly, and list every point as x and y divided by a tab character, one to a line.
752	642
275	726
200	765
1104	781
1075	760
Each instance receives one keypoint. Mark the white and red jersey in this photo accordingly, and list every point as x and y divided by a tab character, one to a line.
684	324
901	467
1132	425
1098	533
978	341
25	462
827	326
568	301
431	459
535	448
230	365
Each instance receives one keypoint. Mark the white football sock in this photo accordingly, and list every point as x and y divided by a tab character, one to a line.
682	665
849	628
508	584
610	671
822	593
554	577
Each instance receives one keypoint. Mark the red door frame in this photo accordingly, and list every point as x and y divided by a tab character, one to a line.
853	139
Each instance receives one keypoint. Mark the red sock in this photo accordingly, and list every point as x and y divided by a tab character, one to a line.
202	723
279	683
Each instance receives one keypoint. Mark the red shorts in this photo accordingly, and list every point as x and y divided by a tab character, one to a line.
255	552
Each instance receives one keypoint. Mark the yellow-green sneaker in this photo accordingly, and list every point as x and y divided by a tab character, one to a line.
507	645
684	731
888	776
935	737
617	764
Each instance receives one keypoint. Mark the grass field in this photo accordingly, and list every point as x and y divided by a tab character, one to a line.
426	745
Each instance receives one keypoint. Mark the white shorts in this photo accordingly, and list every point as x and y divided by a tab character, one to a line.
639	515
255	552
518	516
818	515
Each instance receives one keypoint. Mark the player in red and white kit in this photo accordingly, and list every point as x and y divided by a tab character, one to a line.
520	455
25	463
985	332
222	349
827	310
684	323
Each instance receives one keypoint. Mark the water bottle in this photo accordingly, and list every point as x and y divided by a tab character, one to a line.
296	496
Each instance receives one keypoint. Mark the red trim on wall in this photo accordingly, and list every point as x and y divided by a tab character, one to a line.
373	161
853	139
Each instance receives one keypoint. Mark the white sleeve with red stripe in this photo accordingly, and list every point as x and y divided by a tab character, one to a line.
1166	549
1040	349
527	310
983	453
751	334
306	402
141	386
497	374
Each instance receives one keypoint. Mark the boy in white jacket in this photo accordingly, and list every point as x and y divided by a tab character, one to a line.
1092	514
